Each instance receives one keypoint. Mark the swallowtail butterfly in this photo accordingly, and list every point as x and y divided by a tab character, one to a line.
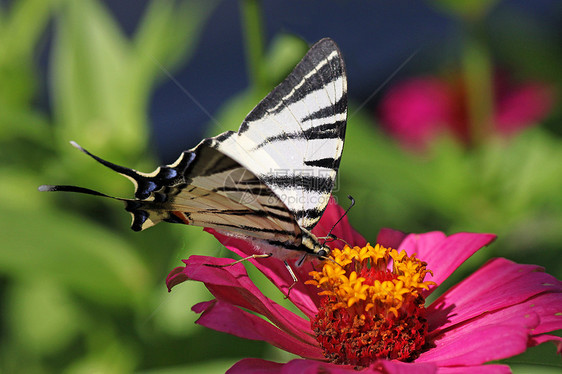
270	182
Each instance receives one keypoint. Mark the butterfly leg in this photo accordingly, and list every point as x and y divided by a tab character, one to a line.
301	260
295	279
241	260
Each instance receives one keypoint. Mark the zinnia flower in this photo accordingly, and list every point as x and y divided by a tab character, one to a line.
366	310
419	109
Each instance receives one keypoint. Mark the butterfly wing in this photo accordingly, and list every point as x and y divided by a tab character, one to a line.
280	167
212	190
293	139
204	188
265	181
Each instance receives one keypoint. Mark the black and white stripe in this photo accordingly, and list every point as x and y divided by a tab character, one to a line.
298	128
269	181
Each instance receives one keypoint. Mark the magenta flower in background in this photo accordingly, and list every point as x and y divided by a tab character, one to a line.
419	109
368	311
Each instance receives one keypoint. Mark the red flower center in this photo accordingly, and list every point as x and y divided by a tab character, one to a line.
370	310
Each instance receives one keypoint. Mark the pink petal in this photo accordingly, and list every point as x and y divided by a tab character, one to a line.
499	284
312	367
467	346
444	254
176	277
524	318
480	369
417	110
255	366
222	316
258	366
397	367
492	314
203	306
548	306
523	106
557	340
232	285
304	296
390	238
494	336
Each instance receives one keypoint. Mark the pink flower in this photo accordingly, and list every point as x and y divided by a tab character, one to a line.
495	313
418	110
520	105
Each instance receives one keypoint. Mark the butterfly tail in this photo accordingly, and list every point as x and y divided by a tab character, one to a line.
151	190
143	187
64	188
147	184
144	213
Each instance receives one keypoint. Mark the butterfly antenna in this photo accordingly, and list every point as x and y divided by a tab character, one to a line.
338	221
332	238
87	191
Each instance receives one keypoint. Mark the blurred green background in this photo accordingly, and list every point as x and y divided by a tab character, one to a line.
82	293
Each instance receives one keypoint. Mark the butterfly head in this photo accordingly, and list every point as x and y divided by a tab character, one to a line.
312	246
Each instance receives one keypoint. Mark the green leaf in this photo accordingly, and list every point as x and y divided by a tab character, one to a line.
380	176
109	355
42	317
41	242
284	54
22	27
90	68
171	310
468	9
102	80
20	30
233	112
168	34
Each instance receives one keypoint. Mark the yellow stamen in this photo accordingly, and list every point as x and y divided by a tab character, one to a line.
363	277
372	306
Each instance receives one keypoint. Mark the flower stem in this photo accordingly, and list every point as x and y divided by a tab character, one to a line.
251	12
477	76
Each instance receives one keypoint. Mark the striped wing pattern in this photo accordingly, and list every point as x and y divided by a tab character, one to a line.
269	181
293	139
210	189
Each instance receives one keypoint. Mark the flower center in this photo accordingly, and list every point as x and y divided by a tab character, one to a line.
373	307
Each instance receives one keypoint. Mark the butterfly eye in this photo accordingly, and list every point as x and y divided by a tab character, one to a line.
322	253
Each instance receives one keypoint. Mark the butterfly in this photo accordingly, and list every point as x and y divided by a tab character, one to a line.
270	181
